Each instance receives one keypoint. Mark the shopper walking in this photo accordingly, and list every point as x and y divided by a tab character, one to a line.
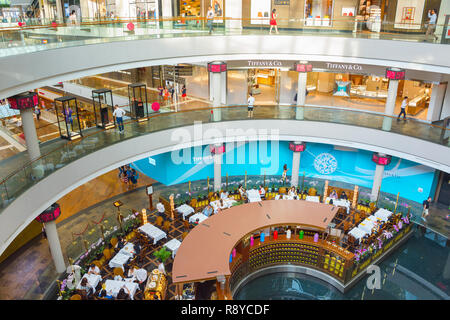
273	21
251	102
119	113
183	92
403	109
426	206
431	24
210	19
73	18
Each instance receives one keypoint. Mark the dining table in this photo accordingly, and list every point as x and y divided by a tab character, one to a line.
152	232
185	210
93	280
173	246
200	216
253	195
113	287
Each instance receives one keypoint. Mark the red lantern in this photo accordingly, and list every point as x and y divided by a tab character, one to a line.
155	106
130	26
50	214
275	235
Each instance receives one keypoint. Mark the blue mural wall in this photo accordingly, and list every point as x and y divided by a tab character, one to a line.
413	181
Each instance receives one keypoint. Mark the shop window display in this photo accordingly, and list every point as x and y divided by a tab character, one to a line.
318	13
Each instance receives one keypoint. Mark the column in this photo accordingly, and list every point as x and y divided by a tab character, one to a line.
55	246
59	12
29	130
48	218
297	148
233	10
394	75
216	70
217	151
381	160
302	67
436	101
25	103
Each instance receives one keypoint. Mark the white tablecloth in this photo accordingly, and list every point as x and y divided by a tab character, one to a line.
153	232
288	197
173	246
383	214
128	250
253	195
200	216
113	287
366	226
313	199
357	233
119	260
227	203
374	219
93	280
185	210
339	202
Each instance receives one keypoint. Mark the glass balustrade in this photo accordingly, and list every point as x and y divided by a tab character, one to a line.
20	174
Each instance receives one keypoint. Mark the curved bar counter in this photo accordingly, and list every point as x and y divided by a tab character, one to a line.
231	254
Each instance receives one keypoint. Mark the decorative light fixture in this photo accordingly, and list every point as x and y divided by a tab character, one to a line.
23	101
217	67
50	214
395	74
381	159
297	147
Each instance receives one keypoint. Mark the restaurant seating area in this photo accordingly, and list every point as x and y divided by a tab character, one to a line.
151	242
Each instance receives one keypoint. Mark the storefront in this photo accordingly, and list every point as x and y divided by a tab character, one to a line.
305	14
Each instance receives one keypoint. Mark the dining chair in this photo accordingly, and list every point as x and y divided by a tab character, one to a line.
75	297
184	235
114	241
118	272
166	226
159	221
107	254
186	224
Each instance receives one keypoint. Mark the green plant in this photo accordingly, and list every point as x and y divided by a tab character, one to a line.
162	254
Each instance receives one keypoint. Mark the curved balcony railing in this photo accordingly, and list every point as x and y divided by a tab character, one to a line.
60	153
30	36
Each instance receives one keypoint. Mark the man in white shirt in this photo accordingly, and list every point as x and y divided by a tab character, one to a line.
431	24
223	195
251	102
403	109
262	192
160	208
119	113
210	19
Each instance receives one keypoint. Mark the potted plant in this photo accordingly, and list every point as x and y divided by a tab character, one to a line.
162	254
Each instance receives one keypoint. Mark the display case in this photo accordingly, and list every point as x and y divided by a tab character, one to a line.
418	103
156	286
66	109
103	108
137	97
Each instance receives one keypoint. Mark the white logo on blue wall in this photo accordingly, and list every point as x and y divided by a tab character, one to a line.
325	163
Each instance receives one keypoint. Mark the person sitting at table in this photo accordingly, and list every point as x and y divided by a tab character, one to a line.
105	295
93	269
333	195
122	295
121	243
208	210
344	195
196	222
292	192
242	192
223	195
137	248
331	201
262	192
222	204
86	286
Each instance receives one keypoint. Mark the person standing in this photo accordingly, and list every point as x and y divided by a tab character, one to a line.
251	102
73	18
426	206
183	92
284	174
37	111
119	113
431	24
403	109
273	21
210	19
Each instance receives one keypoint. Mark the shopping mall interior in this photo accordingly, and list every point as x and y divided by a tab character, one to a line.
184	150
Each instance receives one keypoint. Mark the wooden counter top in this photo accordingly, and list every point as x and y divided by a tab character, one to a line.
205	252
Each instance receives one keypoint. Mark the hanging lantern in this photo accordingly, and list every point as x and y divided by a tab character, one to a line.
252	241
301	234
275	235
262	237
50	214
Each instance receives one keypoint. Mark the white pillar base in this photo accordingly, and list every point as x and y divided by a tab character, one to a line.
295	168
377	179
